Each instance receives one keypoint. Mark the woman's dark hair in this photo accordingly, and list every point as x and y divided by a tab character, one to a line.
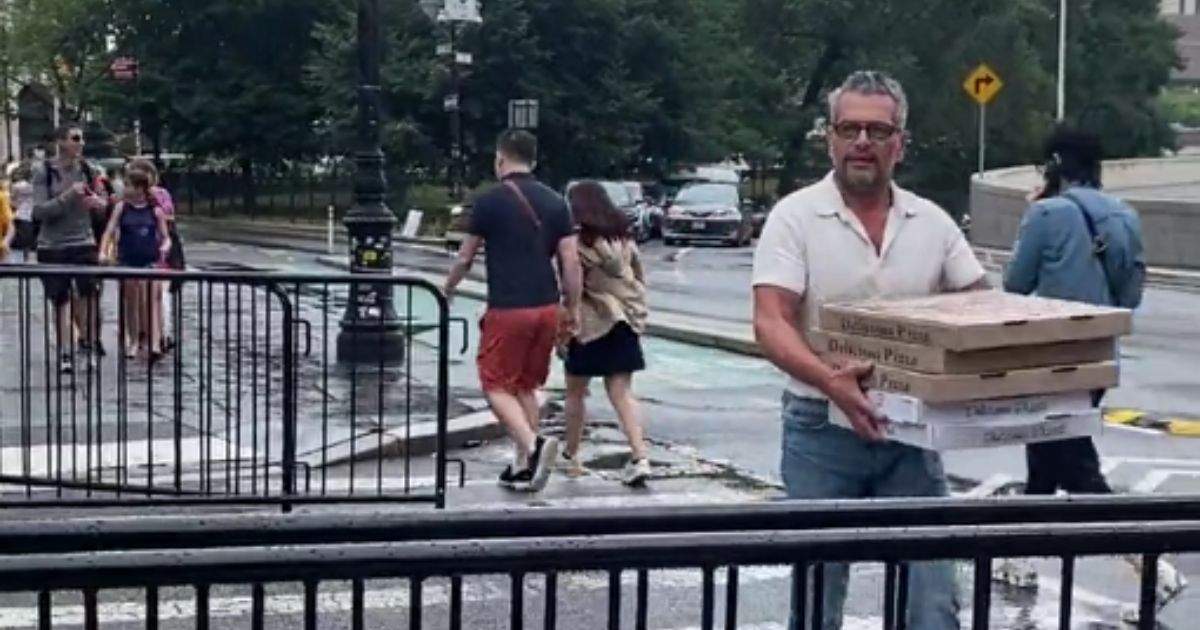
1073	156
595	213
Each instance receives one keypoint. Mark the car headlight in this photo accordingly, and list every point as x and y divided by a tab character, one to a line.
456	211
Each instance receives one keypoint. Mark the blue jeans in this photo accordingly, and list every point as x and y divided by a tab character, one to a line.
825	461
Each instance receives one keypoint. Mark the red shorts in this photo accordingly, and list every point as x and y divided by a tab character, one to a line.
515	348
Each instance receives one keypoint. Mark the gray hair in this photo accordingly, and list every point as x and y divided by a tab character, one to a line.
872	82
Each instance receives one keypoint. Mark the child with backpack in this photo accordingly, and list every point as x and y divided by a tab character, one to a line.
137	237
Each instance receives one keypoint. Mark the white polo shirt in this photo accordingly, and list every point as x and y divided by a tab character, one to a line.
814	246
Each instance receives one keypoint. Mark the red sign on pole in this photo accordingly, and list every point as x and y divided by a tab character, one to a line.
124	68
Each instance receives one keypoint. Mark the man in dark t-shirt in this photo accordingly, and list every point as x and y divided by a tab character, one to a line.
526	227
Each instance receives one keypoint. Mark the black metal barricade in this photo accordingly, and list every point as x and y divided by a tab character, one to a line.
522	569
214	387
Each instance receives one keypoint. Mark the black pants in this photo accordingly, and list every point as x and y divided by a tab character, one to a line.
1071	465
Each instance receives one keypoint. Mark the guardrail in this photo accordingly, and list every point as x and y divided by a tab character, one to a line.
317	553
250	406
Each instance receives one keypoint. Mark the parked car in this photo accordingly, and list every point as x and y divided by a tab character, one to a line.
708	212
652	211
634	207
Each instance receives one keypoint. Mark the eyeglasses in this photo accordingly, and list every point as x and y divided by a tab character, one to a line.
876	131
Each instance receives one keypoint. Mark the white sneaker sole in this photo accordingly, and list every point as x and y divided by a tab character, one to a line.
545	465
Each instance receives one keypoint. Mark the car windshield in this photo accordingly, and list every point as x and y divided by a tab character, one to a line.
618	193
705	194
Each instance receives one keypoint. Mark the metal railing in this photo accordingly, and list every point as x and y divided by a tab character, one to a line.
318	556
249	407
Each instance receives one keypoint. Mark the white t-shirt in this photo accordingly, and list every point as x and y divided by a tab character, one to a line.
22	200
814	246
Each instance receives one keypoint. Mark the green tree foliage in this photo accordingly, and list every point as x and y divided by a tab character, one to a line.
625	86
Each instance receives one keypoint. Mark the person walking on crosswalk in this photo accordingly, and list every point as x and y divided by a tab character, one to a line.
527	227
612	320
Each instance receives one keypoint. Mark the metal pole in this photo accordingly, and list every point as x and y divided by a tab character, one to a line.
982	138
8	139
137	121
370	330
455	118
1062	60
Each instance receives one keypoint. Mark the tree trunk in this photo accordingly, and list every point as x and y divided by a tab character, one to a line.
249	196
794	154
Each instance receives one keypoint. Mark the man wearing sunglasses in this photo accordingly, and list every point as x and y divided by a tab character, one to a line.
64	201
856	235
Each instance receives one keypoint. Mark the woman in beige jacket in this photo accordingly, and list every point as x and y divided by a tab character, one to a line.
613	318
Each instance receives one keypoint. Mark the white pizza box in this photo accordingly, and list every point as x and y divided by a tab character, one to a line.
985	434
902	409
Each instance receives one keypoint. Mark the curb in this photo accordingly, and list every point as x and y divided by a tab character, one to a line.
479	426
461	432
308	230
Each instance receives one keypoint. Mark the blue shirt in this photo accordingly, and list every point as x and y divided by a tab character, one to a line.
1054	255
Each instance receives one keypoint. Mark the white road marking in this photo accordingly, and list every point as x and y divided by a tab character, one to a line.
1156	478
1132	429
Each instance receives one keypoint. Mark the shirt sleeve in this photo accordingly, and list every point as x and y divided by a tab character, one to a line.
477	223
44	207
781	257
1021	276
960	267
567	225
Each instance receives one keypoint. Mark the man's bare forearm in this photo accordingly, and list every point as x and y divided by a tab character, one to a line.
787	349
458	271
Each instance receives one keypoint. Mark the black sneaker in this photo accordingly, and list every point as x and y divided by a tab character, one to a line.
66	364
96	348
519	480
541	462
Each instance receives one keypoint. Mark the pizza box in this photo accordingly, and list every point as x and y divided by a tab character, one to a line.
990	433
975	320
947	388
971	435
901	409
942	361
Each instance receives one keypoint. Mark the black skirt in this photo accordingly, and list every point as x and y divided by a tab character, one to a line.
618	352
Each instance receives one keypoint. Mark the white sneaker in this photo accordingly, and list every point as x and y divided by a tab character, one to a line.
571	466
1016	572
636	473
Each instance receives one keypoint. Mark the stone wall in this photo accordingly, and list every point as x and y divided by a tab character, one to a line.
1165	192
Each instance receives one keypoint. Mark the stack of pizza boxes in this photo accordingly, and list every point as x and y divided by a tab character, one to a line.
978	369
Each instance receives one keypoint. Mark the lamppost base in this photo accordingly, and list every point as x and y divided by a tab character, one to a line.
370	345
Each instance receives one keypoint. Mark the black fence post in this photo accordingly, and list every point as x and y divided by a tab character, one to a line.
289	394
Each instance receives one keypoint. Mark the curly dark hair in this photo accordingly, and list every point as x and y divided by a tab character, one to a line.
1073	155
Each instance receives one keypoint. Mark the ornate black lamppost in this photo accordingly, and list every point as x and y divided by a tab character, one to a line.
370	332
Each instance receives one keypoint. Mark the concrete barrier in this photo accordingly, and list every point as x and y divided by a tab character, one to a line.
1165	192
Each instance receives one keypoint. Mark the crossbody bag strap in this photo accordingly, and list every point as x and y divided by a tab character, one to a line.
1099	247
525	205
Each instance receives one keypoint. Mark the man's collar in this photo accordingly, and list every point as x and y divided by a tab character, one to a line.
835	203
516	175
